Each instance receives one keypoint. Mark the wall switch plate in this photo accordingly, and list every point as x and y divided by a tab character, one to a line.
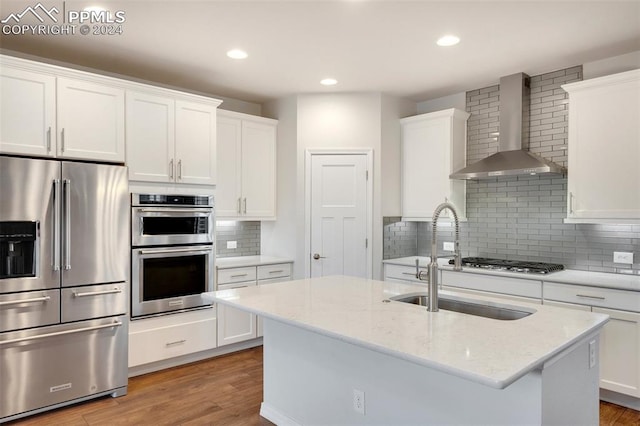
358	401
232	244
623	257
448	246
592	354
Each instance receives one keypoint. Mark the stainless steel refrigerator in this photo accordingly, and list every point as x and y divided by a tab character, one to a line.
64	283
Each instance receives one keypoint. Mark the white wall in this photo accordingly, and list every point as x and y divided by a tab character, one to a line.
392	110
457	100
332	121
279	238
612	65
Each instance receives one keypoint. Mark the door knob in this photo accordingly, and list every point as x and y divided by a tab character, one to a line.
316	256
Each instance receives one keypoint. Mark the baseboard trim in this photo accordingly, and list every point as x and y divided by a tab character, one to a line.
275	416
620	399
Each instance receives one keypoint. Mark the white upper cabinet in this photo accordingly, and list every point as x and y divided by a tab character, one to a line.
150	137
53	112
90	121
433	147
27	112
604	149
170	140
246	186
195	142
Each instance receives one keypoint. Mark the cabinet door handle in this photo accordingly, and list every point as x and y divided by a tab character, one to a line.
49	139
179	169
245	205
571	203
171	169
62	140
239	205
586	296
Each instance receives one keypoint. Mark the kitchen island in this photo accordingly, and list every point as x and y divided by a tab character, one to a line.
337	351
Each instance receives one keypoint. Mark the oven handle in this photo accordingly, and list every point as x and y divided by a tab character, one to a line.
176	211
182	250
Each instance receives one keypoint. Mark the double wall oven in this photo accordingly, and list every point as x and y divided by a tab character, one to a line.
172	256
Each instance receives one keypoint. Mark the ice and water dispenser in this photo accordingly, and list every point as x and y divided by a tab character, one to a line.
18	249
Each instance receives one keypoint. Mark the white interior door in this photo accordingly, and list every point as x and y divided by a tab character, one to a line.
339	215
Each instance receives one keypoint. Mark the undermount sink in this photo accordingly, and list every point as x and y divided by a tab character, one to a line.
465	306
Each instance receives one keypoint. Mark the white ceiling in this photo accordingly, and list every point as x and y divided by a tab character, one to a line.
381	46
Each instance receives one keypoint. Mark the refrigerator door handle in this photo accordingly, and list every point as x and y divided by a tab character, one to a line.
67	224
62	333
56	224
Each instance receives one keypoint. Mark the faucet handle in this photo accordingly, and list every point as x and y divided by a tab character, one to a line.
457	262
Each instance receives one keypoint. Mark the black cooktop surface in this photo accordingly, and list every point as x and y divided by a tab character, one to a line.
510	265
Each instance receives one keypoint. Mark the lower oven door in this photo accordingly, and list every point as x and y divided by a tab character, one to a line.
170	279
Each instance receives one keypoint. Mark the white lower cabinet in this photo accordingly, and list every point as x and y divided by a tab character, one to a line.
620	337
502	285
235	325
169	336
620	352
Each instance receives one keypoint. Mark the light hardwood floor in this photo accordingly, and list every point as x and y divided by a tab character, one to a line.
226	390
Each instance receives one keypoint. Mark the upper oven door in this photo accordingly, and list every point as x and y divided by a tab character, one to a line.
161	226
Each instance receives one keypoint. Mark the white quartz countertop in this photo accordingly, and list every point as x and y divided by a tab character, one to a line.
492	352
568	276
243	261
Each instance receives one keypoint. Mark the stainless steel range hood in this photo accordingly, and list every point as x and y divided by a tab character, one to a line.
512	157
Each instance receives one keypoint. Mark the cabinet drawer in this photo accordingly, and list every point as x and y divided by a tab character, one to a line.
29	309
274	271
94	301
236	275
405	273
593	296
492	283
171	341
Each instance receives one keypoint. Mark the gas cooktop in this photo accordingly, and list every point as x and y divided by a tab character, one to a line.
510	265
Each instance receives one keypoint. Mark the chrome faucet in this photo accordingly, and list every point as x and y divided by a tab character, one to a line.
432	272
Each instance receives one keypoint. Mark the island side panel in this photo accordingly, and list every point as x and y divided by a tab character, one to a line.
571	384
309	379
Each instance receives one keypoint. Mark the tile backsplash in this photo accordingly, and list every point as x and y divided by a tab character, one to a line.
521	218
246	235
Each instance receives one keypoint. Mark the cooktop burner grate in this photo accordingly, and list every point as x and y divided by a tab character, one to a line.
510	265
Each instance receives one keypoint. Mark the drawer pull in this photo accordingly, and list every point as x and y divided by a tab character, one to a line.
177	342
97	293
17	302
62	333
409	273
279	271
586	296
238	275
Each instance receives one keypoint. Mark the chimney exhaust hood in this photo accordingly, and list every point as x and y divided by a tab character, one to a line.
512	158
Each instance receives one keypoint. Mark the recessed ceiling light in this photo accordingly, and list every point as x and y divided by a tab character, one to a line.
328	81
448	40
237	54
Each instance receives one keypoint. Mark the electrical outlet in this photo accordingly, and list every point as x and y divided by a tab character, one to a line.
232	244
358	401
592	354
623	257
448	246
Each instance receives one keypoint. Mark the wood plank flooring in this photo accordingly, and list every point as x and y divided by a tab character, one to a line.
225	390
